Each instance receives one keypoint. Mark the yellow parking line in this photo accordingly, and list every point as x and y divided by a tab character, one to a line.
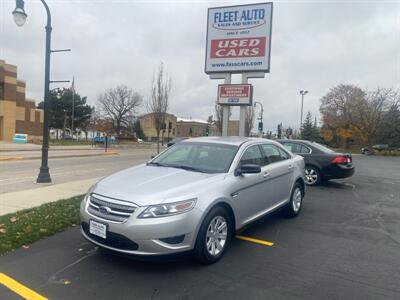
257	241
19	289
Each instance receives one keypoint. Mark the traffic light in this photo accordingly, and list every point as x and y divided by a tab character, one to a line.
260	126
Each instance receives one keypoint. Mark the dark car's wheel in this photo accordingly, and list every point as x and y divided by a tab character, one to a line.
293	208
312	176
214	236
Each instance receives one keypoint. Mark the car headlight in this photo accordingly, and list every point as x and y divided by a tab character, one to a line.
85	199
168	209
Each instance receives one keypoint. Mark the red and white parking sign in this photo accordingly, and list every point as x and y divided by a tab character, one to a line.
235	94
239	38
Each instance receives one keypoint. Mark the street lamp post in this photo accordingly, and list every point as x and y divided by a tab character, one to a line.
260	117
302	93
20	18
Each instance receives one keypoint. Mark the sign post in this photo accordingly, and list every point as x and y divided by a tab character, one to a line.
238	41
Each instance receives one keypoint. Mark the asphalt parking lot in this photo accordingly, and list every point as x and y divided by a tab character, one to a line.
344	245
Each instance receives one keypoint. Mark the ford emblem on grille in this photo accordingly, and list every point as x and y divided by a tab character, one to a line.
105	210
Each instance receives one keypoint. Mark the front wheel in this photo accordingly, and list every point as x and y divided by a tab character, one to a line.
214	236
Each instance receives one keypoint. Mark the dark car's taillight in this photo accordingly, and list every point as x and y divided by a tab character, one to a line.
340	160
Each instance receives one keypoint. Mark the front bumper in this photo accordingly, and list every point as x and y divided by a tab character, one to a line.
144	236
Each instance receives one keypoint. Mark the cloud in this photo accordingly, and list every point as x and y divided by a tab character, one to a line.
315	45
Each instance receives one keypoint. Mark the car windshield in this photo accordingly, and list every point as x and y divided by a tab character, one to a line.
198	157
322	148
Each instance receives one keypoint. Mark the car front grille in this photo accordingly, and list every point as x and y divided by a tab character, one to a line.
110	209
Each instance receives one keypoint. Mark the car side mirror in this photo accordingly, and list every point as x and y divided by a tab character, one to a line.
151	157
247	169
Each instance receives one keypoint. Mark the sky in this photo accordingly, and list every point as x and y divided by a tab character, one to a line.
316	45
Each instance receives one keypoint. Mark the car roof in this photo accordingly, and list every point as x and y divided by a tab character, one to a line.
287	140
229	140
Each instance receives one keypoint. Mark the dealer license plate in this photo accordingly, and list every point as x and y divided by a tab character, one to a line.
98	229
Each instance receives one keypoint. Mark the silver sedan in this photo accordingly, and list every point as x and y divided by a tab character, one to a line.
193	196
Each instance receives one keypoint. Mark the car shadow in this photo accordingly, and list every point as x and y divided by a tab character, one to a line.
337	185
184	260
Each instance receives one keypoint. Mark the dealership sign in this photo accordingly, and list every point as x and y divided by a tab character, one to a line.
239	38
235	94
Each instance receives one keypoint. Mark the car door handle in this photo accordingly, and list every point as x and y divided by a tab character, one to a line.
266	175
290	167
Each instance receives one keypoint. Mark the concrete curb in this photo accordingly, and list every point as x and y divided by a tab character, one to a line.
14	158
10	158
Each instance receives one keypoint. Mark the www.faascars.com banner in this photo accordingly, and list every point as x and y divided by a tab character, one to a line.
239	38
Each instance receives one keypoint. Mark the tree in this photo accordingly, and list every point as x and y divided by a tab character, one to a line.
86	124
159	98
249	120
309	131
369	114
119	104
338	110
61	109
390	129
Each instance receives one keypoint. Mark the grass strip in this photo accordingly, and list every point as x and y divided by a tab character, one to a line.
27	226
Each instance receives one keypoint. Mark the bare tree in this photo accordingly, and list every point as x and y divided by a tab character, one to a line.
119	104
249	121
158	103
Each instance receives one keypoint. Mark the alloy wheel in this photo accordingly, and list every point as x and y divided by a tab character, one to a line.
296	201
311	176
216	235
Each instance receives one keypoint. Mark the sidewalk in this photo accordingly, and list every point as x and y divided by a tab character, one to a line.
11	147
35	154
12	202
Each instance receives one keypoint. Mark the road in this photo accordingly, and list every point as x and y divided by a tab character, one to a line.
345	244
21	175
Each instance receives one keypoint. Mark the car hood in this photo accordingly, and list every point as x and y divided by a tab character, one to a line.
146	185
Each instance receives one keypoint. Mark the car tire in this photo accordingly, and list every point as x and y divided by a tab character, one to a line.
295	204
312	176
210	243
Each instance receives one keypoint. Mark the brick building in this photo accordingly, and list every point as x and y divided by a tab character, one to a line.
17	114
194	128
147	125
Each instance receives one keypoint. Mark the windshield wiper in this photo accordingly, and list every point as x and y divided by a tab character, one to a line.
152	163
187	168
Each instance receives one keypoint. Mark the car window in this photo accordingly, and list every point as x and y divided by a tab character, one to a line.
252	155
292	147
304	150
322	148
274	153
284	155
208	158
177	154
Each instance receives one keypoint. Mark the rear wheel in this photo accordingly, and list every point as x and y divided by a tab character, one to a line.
293	208
312	176
214	236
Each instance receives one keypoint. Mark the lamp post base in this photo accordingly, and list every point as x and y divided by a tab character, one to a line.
44	176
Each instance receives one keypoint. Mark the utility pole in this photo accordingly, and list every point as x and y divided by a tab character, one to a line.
73	106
